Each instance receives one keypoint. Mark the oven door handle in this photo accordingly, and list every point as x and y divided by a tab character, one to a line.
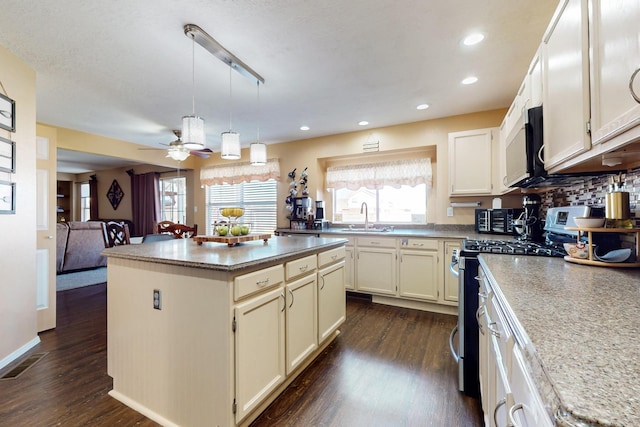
453	270
454	332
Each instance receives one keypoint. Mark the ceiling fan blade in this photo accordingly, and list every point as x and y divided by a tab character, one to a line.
201	153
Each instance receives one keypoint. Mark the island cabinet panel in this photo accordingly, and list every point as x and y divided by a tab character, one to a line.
331	300
260	349
301	320
257	281
301	267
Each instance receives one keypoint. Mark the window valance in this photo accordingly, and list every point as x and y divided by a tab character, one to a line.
377	175
236	173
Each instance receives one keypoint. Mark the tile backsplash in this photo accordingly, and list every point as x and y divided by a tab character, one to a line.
592	193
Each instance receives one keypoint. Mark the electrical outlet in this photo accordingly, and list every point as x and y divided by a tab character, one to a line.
449	211
157	301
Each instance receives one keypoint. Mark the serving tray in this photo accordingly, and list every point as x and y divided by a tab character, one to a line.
231	240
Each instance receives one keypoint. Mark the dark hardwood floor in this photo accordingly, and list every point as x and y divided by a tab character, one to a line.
389	367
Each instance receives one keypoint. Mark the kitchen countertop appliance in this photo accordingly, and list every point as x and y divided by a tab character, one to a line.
464	265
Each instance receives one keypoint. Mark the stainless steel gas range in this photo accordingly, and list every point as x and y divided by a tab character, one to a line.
466	261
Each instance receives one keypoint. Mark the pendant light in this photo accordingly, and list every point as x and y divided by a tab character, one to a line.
230	140
193	126
258	150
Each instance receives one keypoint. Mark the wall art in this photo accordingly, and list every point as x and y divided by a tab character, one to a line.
7	155
7	197
115	194
7	113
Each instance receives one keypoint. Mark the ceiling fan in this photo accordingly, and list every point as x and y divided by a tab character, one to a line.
177	151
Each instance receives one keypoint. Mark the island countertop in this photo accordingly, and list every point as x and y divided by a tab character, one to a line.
579	328
217	256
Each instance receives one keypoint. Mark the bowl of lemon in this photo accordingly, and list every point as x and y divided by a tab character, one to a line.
232	212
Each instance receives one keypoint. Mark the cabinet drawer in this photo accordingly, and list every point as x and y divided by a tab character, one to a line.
300	266
330	256
427	244
257	281
377	242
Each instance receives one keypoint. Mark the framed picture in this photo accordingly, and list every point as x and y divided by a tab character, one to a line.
7	113
7	155
7	197
115	194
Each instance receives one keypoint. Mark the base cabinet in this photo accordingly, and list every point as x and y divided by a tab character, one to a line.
419	272
376	262
331	299
349	268
301	320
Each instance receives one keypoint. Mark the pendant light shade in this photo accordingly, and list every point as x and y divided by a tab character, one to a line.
258	154
193	132
230	146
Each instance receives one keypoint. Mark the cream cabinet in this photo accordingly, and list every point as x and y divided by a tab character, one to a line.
615	48
301	320
471	162
259	349
331	298
376	263
450	281
349	268
566	83
418	268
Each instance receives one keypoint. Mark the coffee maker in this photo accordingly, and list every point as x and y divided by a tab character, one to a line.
319	222
529	224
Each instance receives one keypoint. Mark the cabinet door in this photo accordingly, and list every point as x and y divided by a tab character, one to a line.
332	301
349	268
527	410
450	281
470	165
616	55
566	84
376	270
260	349
419	274
301	320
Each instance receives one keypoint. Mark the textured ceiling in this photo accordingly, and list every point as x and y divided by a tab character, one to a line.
122	69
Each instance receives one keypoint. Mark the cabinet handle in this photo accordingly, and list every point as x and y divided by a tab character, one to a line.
480	312
501	402
512	412
418	244
262	283
292	298
483	295
284	302
478	278
334	257
375	243
322	287
304	267
633	77
494	332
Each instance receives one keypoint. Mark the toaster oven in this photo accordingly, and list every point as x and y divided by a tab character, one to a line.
496	221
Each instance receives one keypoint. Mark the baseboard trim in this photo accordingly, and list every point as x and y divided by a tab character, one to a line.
154	416
19	352
416	305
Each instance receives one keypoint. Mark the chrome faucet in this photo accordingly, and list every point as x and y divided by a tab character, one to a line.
364	207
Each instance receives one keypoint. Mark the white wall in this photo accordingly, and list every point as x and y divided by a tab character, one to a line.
18	315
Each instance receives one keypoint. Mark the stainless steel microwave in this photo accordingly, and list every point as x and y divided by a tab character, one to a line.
524	152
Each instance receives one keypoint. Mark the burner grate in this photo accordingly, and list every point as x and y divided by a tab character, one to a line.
514	247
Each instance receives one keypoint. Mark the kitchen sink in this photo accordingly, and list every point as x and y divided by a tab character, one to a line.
368	230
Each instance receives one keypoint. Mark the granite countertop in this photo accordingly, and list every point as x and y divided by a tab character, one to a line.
220	256
579	327
438	231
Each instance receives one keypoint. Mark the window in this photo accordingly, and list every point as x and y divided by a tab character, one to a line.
85	202
258	198
402	205
394	192
173	199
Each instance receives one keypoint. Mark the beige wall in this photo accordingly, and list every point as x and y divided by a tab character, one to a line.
18	317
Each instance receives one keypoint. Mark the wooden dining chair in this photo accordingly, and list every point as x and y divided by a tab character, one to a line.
179	231
115	234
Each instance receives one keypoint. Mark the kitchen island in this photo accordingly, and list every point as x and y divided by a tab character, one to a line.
577	328
206	335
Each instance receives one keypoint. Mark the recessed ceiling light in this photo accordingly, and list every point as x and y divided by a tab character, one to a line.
422	106
363	123
472	39
469	80
304	127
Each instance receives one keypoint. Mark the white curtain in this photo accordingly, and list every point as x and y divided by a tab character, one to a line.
377	175
235	173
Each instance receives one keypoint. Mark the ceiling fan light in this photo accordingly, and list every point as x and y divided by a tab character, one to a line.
258	154
178	153
193	132
230	146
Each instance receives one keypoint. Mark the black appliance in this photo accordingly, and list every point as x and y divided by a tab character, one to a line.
466	331
525	157
532	220
496	221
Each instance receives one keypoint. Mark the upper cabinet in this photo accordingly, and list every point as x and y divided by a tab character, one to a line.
565	71
615	47
470	162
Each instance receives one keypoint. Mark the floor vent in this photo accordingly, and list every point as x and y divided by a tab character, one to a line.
22	366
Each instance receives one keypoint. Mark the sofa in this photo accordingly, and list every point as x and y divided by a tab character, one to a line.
79	246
